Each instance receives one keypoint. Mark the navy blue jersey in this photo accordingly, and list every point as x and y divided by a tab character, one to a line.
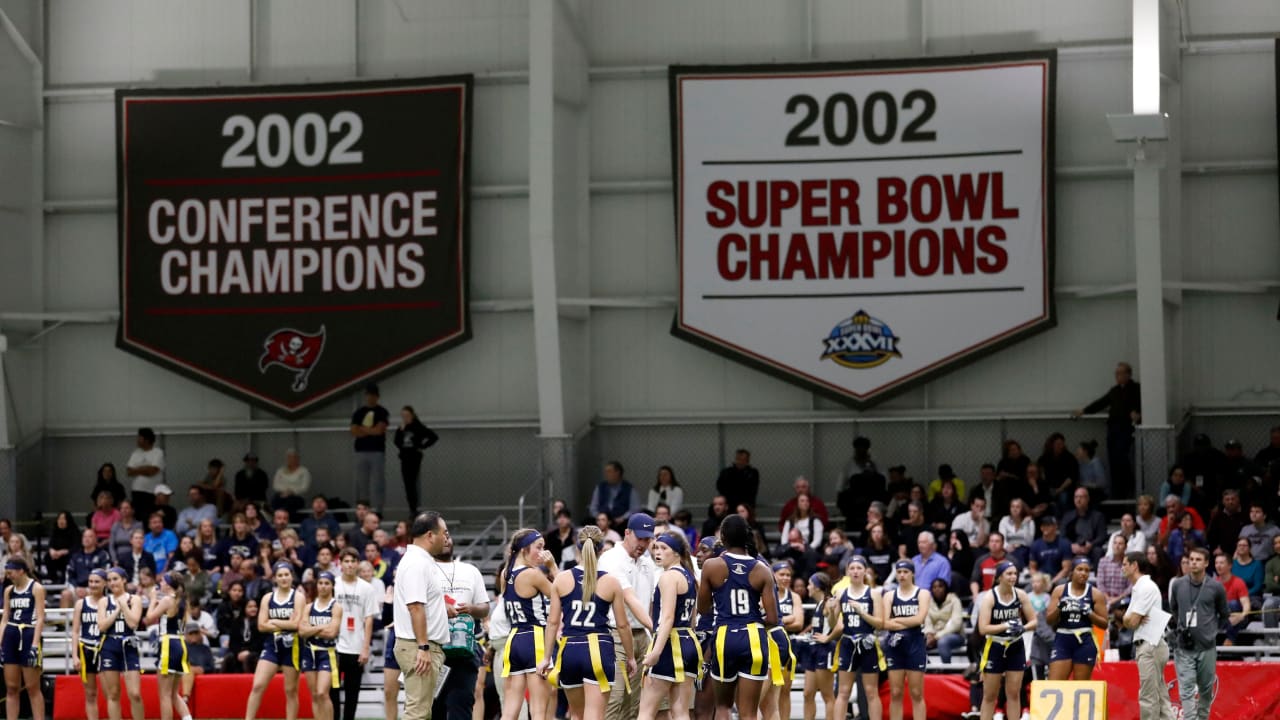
854	625
737	603
686	602
322	616
907	608
172	624
90	633
1074	609
584	616
1004	612
277	610
523	613
22	604
119	628
786	603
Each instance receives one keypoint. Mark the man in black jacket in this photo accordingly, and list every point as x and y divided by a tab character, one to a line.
739	483
1123	403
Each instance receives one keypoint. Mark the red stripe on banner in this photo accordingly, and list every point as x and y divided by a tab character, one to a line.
292	309
388	175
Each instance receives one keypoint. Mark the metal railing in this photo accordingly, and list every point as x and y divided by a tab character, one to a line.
482	543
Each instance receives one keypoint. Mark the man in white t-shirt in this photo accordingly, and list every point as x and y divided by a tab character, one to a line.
630	562
360	605
465	594
1147	618
421	616
146	467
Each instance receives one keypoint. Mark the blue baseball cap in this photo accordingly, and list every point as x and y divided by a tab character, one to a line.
641	526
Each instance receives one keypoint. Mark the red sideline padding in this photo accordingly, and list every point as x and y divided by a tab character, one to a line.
946	696
212	696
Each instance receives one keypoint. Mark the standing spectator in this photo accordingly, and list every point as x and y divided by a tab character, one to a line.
1150	650
1249	570
974	523
161	542
1111	579
118	543
63	541
860	464
251	481
1050	554
136	559
196	512
1019	530
318	518
146	467
1061	470
944	624
1198	604
739	483
422	622
1092	475
1123	403
214	487
108	481
1270	455
945	474
806	521
1085	528
615	496
1013	462
88	558
465	595
666	489
1237	598
1035	492
1226	523
801	486
291	484
163	496
929	565
411	438
246	640
360	606
1241	473
1260	532
987	489
369	428
1271	586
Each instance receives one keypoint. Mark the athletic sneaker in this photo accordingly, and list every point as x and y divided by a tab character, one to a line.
973	714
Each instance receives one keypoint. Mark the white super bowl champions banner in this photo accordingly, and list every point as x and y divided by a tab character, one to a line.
858	228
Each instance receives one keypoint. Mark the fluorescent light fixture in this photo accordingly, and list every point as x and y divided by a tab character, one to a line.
1146	57
1139	128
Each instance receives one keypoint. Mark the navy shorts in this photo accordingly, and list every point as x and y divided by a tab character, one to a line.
1077	646
681	657
285	650
999	657
19	646
781	641
172	659
740	651
905	650
389	661
119	655
856	659
88	659
817	656
585	659
525	650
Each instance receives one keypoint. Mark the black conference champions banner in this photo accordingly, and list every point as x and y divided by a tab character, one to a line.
284	244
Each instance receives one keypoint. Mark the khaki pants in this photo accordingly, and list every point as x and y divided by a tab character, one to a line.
625	705
419	690
1153	694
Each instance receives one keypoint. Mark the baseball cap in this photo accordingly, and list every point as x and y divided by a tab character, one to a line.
641	525
163	489
191	627
1048	520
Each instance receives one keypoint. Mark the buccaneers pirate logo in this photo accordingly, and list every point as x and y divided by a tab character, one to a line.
293	350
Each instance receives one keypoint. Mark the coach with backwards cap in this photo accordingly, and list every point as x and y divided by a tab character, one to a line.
630	562
421	620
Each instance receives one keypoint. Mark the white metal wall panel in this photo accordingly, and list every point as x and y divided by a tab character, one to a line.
633	247
1213	17
444	36
987	25
81	256
305	40
630	129
80	150
1231	343
500	249
1229	107
1094	240
865	29
1230	228
1088	89
711	31
142	41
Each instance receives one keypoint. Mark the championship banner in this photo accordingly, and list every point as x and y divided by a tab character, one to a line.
284	244
859	228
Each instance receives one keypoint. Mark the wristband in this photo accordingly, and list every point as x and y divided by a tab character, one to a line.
425	647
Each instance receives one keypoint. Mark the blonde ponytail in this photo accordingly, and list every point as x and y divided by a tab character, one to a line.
588	537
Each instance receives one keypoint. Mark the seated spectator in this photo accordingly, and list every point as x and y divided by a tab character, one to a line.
945	474
63	541
1051	553
929	564
88	558
877	514
279	523
1237	598
986	488
1092	474
232	571
959	553
974	523
838	545
1134	539
666	489
1173	508
1111	579
163	505
324	562
260	527
291	549
214	487
802	556
291	484
739	482
1165	570
146	585
1085	528
1271	586
683	519
1146	518
1259	532
983	576
108	481
944	508
1246	567
206	541
614	497
899	488
716	515
196	613
196	511
758	537
373	555
661	514
245	641
199	655
230	610
241	541
319	517
359	536
1182	538
806	522
122	531
944	624
1176	485
560	537
16	546
1061	470
103	517
251	481
134	560
1226	523
199	584
401	540
610	535
1019	531
161	542
816	506
910	529
186	546
255	585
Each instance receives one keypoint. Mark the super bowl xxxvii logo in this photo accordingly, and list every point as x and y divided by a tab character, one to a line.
860	341
294	351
